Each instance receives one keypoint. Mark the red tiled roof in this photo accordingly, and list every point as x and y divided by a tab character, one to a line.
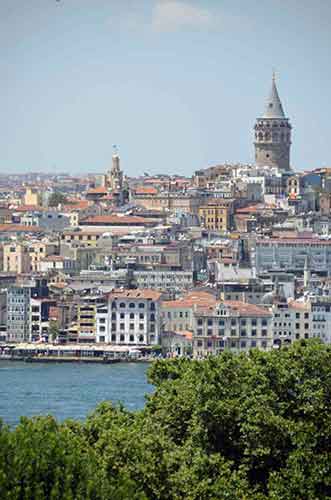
19	228
191	299
97	190
145	190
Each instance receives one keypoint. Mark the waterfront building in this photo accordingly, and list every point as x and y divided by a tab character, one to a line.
18	308
178	315
233	325
130	317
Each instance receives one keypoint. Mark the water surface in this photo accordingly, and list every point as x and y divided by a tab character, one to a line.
70	390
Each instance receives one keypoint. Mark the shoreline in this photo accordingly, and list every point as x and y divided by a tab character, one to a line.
86	360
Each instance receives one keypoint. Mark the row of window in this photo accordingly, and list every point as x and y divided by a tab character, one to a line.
243	344
233	333
132	327
233	322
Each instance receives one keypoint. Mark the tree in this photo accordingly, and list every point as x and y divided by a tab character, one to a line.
53	330
56	198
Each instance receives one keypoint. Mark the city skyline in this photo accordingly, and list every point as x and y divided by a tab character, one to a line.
177	84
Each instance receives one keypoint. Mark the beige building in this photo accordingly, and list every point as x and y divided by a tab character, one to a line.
178	315
215	216
16	258
32	197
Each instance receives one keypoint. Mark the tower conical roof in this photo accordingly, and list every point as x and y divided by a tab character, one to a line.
274	108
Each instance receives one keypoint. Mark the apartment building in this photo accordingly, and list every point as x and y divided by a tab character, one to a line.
19	308
291	321
233	325
214	215
130	317
167	279
178	315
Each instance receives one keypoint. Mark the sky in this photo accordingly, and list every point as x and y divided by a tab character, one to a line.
176	84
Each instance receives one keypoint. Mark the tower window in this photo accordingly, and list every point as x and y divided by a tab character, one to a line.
267	155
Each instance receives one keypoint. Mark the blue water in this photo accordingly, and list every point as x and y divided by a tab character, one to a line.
68	390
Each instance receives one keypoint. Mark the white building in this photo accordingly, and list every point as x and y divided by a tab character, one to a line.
164	280
130	317
291	253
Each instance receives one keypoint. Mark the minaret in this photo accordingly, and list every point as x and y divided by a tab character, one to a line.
306	273
273	134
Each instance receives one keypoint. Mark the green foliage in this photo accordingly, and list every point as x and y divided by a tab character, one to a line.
53	330
56	199
254	426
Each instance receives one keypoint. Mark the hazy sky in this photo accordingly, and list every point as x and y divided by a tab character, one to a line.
177	84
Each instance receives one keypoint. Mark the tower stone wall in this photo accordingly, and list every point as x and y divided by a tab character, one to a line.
273	134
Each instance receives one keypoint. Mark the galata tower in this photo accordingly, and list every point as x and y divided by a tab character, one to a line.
273	134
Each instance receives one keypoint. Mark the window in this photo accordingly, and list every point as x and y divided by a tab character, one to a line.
306	326
141	326
122	337
243	333
199	331
264	322
264	333
113	326
253	343
113	338
102	338
122	315
253	333
102	328
122	326
141	316
297	315
297	325
131	326
221	322
306	315
131	338
131	305
209	332
131	315
200	322
141	305
264	344
243	344
141	338
254	322
122	305
152	306
152	317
